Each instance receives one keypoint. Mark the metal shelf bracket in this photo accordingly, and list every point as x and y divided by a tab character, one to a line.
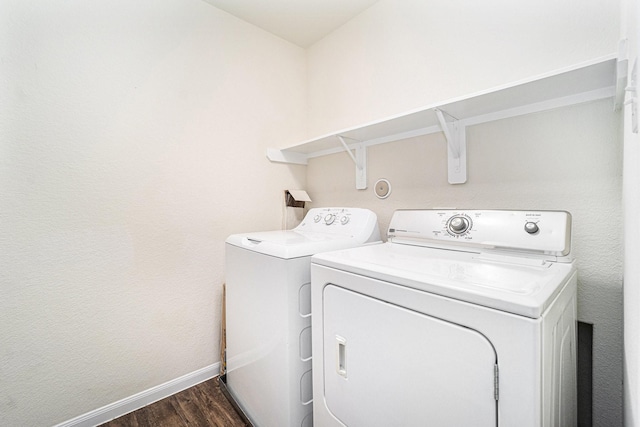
360	160
456	134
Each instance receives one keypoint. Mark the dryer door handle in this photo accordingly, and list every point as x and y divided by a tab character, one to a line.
341	356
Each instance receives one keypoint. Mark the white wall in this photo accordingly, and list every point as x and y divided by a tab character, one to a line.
402	54
631	208
132	140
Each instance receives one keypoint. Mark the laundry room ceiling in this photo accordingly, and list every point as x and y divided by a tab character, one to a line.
302	22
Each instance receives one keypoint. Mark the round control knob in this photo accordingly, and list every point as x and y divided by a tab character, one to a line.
531	227
329	219
317	218
344	220
458	225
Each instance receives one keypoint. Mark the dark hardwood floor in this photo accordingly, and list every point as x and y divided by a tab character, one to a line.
203	405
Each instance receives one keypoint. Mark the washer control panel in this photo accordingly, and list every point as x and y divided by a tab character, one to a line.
330	217
547	232
343	221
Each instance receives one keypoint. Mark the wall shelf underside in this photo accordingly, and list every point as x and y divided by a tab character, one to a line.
597	79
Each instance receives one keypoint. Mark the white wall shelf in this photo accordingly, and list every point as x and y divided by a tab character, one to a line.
584	82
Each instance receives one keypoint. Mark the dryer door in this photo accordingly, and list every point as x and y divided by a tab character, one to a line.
385	365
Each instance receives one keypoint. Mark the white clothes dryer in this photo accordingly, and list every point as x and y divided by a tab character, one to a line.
268	311
463	318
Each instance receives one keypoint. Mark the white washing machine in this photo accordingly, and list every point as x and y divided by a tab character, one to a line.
268	312
463	318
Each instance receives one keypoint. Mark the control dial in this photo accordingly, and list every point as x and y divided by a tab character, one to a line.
317	218
329	219
531	227
344	220
458	225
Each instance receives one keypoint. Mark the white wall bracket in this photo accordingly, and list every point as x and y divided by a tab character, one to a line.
632	96
622	73
456	134
360	160
282	156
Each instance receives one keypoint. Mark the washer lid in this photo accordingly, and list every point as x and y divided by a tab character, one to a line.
518	285
292	244
321	230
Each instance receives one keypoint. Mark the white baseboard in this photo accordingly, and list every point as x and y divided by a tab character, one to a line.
142	399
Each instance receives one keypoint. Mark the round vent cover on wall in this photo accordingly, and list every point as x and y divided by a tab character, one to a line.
382	188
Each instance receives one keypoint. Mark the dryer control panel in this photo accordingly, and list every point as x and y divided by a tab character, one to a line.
538	232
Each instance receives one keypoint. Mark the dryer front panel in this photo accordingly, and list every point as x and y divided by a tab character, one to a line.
386	365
